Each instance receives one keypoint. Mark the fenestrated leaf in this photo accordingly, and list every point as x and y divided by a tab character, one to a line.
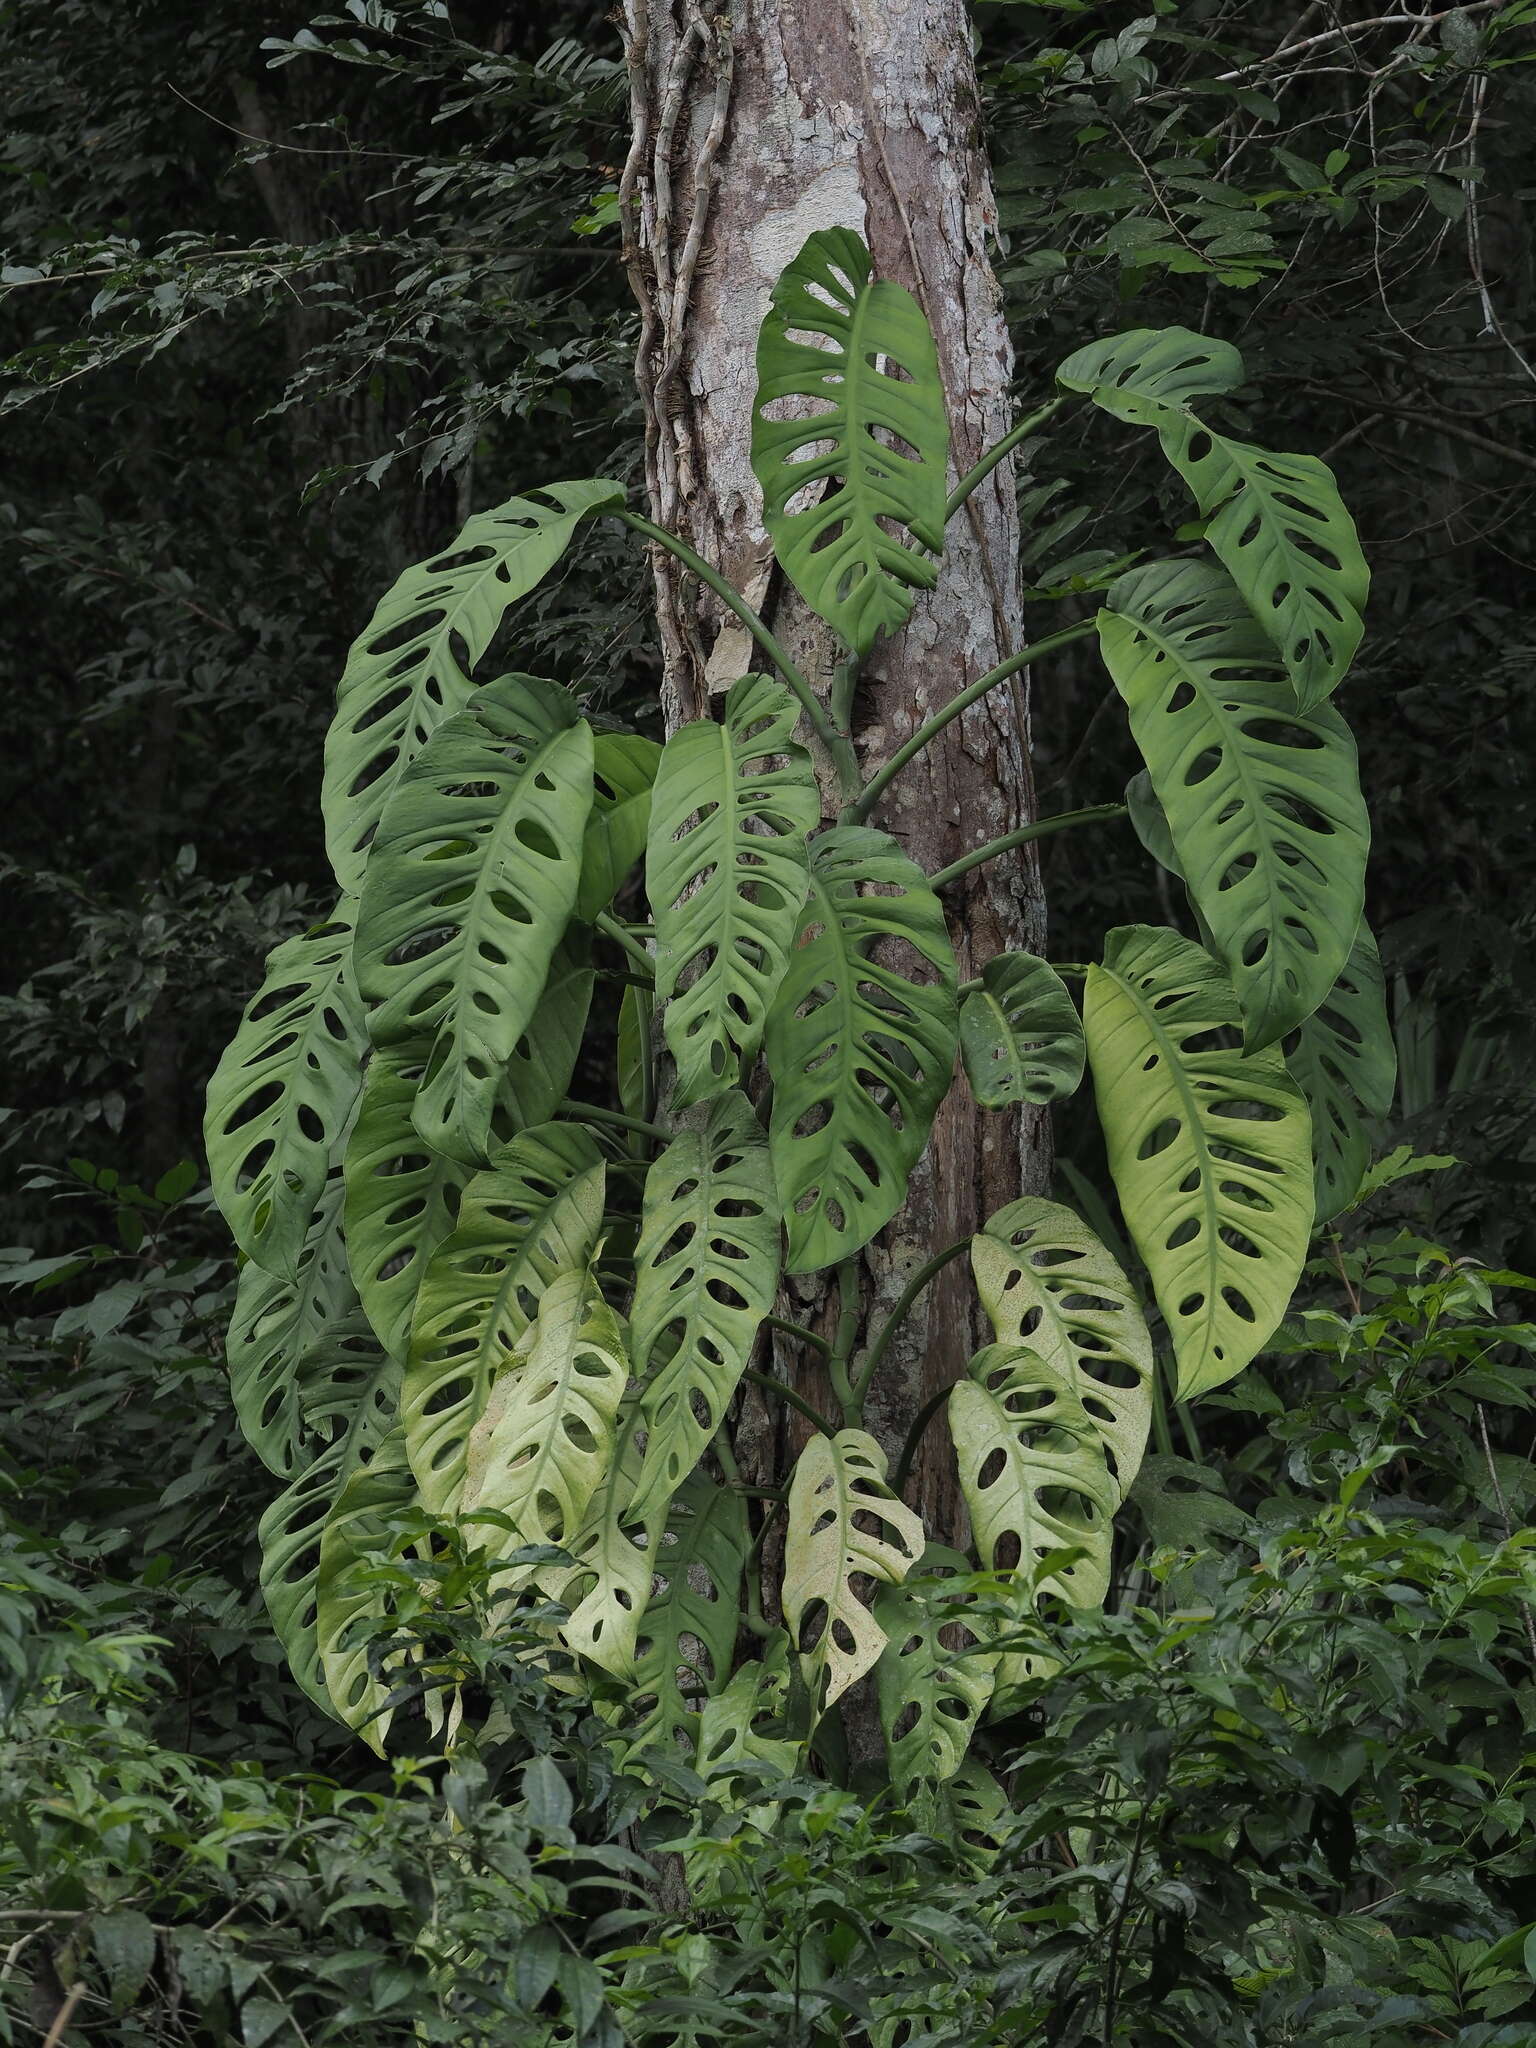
1210	1150
1149	374
1344	1059
536	1213
276	1322
872	448
706	1266
725	871
931	1696
1182	1503
282	1092
1050	1286
860	1055
347	1606
1019	1034
349	1387
609	1586
688	1630
1262	801
838	1490
467	896
623	769
412	666
545	1436
742	1739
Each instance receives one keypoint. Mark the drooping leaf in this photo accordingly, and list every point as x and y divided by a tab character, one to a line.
725	871
1049	1285
857	351
688	1630
413	665
536	1213
350	1388
1149	375
970	1810
1182	1503
742	1739
1209	1148
348	1606
623	769
282	1092
634	1062
1262	801
610	1583
837	1491
1019	1034
860	1055
706	1266
467	896
275	1323
931	1695
1344	1058
545	1436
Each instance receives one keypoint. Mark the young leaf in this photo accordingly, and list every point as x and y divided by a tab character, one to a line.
1262	801
1344	1058
413	665
637	1017
467	895
1049	1285
688	1631
725	871
623	769
283	1091
609	1586
868	413
931	1693
536	1213
860	1055
348	1606
706	1269
1020	1037
545	1436
1149	375
1209	1148
837	1492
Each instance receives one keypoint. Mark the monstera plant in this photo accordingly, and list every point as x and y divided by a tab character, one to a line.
469	1299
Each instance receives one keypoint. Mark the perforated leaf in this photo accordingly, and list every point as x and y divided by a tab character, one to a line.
844	1523
1150	374
349	1387
688	1631
545	1436
1034	1476
536	1213
609	1586
743	1740
851	358
623	769
860	1054
1049	1284
413	665
1210	1150
706	1267
931	1696
282	1092
348	1604
725	871
273	1325
467	896
1344	1059
1020	1037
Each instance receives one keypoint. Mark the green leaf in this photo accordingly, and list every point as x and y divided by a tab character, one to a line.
1344	1059
834	341
744	1722
860	1055
1262	801
412	667
725	871
276	1322
350	1389
707	1266
1020	1037
1148	374
536	1213
610	1584
1209	1149
124	1942
931	1696
623	769
1049	1285
545	1436
282	1092
467	896
349	1604
688	1632
844	1522
1182	1504
637	1015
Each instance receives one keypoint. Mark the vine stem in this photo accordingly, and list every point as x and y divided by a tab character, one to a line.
904	1301
996	453
1041	829
773	1386
929	731
611	929
799	1330
837	744
924	1416
850	1399
589	1112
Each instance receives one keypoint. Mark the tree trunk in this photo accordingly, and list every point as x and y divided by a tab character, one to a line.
755	123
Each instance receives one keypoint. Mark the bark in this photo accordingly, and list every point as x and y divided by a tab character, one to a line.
755	123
